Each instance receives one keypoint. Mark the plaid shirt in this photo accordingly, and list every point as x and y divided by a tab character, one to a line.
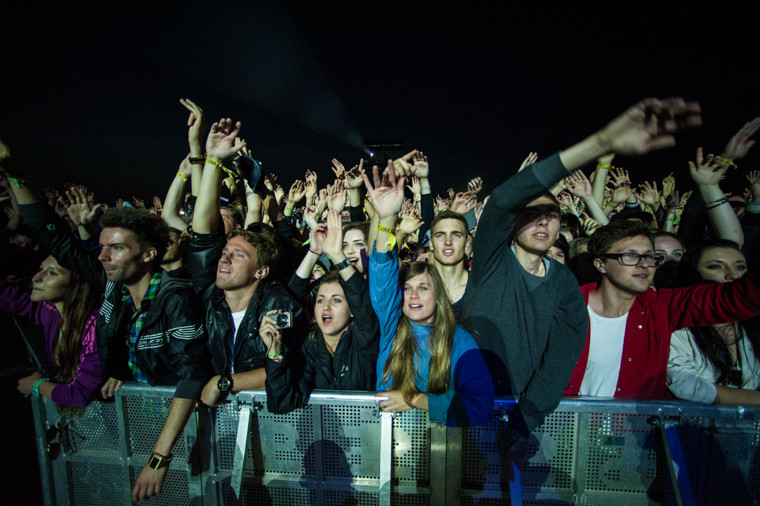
136	321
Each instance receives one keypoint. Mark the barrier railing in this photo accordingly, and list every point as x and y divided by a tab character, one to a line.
341	449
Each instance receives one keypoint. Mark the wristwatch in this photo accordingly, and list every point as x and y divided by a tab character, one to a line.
224	385
343	264
158	461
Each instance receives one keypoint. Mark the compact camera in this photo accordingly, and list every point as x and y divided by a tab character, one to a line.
283	319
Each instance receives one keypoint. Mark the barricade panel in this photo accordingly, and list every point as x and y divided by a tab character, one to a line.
331	452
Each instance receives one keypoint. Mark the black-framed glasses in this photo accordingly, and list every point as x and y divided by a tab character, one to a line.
633	259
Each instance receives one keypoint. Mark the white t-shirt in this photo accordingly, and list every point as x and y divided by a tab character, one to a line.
604	355
236	319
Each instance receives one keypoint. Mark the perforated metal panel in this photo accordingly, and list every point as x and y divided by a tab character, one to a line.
282	444
351	441
411	447
619	453
225	430
173	491
145	417
97	484
100	430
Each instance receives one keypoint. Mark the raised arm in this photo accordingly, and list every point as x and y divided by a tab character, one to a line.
196	123
174	196
706	174
222	144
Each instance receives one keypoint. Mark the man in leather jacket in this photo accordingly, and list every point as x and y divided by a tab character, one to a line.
232	276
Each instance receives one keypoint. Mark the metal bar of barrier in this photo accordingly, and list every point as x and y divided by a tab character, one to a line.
241	450
679	475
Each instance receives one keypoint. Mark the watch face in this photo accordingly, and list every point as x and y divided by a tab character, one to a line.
224	384
154	462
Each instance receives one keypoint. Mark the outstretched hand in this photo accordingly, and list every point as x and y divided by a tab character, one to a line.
196	123
708	170
648	126
387	195
223	141
529	160
739	145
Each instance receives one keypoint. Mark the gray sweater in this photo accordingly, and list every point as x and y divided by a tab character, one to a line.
531	329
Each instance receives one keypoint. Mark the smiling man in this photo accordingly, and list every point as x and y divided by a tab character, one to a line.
626	352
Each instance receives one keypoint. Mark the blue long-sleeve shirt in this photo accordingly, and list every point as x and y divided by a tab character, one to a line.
469	400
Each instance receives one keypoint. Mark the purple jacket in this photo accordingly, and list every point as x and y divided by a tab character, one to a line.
89	377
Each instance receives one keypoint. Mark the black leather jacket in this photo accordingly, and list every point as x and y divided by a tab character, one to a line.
249	352
170	347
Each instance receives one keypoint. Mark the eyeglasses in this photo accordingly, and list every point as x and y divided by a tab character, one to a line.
633	259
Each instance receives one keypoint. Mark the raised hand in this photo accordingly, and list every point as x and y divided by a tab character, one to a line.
279	194
529	160
338	169
415	186
196	123
310	217
668	186
590	225
223	141
740	143
648	126
79	207
579	185
386	196
138	202
707	171
754	183
311	185
336	200
475	185
421	166
401	165
296	192
270	180
332	241
353	177
463	201
648	194
620	177
411	221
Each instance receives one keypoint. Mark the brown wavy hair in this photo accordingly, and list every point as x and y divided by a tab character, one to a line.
404	351
79	304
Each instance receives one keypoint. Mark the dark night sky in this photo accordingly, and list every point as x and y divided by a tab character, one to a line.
91	95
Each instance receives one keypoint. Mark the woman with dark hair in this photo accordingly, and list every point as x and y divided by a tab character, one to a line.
65	306
718	364
340	350
426	360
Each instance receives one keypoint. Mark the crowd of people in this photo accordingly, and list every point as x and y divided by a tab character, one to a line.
558	283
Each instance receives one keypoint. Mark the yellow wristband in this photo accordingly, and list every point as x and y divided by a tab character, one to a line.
184	178
387	230
214	162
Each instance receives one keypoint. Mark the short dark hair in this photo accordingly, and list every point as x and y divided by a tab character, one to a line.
357	225
150	230
603	239
265	241
449	215
236	214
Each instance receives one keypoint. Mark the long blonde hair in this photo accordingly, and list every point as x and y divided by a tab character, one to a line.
404	351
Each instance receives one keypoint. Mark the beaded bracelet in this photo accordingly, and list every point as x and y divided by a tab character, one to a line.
35	388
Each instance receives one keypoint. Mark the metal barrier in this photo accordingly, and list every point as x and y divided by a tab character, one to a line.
340	449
